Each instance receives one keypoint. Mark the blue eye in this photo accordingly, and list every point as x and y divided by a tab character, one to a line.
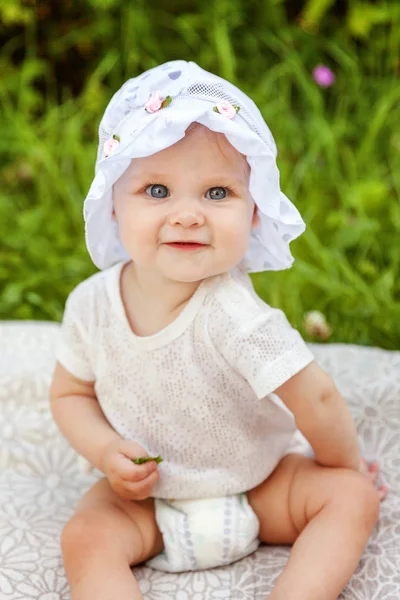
217	193
157	190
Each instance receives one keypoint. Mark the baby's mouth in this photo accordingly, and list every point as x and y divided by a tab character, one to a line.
186	245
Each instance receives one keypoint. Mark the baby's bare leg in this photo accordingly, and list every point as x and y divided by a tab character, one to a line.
328	514
103	539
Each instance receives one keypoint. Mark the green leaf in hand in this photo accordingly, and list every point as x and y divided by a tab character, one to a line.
145	459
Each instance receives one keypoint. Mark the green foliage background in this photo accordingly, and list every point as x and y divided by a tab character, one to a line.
339	148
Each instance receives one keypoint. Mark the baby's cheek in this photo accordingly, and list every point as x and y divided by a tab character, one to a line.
133	241
234	247
240	236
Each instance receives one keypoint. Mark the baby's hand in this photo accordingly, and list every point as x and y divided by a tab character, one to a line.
372	471
128	480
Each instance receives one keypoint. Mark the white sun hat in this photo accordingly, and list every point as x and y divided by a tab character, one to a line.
152	112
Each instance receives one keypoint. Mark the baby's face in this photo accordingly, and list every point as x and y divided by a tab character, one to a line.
186	211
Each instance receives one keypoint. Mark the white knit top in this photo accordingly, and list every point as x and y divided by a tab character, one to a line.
198	392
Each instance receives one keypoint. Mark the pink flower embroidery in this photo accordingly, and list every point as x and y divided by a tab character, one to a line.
155	103
323	76
227	109
110	145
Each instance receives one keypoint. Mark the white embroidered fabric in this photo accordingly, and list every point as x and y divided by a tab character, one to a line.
40	483
199	392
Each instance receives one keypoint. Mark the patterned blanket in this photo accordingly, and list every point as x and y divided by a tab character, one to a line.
40	481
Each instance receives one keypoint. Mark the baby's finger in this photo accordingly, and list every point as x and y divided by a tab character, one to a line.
142	489
141	472
128	471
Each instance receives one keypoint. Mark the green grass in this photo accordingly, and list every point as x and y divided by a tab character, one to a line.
339	148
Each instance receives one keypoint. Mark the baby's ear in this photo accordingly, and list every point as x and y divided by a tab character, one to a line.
113	215
256	219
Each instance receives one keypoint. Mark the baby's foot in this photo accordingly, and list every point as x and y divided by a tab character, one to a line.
372	471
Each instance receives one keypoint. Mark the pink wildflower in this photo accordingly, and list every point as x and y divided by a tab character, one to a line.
323	76
315	325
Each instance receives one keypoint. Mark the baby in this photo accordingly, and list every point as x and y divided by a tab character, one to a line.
168	351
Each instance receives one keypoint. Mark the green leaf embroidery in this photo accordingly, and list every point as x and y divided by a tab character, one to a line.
165	102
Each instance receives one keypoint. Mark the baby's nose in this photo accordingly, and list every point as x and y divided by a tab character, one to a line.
186	219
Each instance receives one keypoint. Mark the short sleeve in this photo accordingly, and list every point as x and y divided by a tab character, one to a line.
74	348
267	351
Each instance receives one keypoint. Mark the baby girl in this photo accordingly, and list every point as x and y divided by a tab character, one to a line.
168	353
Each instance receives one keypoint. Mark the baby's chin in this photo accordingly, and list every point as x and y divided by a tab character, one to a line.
189	277
189	268
192	275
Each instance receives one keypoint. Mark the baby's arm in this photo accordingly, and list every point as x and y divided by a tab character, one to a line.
323	417
79	416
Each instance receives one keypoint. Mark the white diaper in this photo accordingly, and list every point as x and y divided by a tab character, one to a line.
205	533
